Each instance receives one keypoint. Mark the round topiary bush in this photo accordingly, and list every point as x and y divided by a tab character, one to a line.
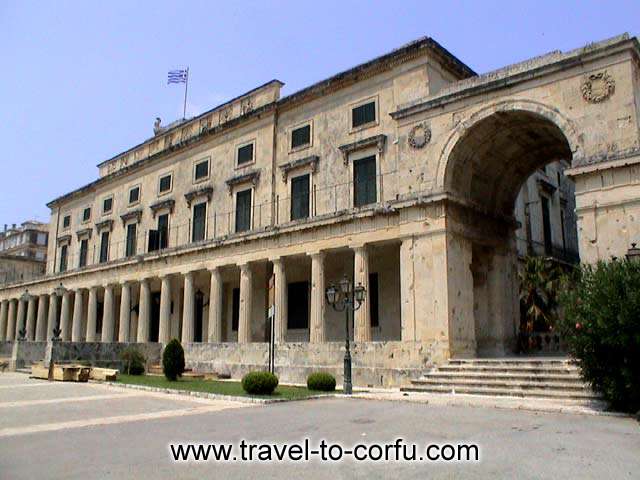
133	361
173	360
321	381
602	328
259	383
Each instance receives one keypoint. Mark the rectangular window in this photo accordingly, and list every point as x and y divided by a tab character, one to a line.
546	225
163	231
132	233
243	211
199	222
201	170
66	221
245	154
86	214
104	247
134	195
363	114
301	136
235	309
298	305
63	258
374	304
107	205
84	249
364	181
165	184
300	197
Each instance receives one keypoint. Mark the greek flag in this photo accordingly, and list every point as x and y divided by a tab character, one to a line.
177	76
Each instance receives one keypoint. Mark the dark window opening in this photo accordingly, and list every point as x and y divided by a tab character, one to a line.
99	315
86	214
245	154
298	305
107	205
66	221
300	197
199	316
132	233
199	222
63	258
546	225
301	136
243	211
202	170
154	323
235	309
134	195
163	231
364	181
374	304
104	247
84	248
165	183
363	114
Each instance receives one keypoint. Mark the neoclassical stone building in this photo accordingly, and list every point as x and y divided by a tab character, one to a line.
401	173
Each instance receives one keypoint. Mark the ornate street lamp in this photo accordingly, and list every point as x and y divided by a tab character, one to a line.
22	333
59	292
633	254
345	298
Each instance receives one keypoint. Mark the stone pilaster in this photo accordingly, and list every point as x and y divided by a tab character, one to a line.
408	329
52	318
11	320
362	323
317	329
144	314
78	315
108	319
31	318
246	300
41	320
4	316
65	317
281	300
125	313
92	315
188	307
20	318
165	310
215	307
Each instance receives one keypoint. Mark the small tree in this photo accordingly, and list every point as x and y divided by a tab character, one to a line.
173	360
134	361
602	328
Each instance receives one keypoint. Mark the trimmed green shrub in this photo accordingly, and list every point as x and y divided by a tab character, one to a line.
134	361
601	325
321	381
259	383
173	360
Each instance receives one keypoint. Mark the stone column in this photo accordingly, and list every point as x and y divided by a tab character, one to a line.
108	320
165	310
125	313
11	320
246	300
20	318
41	321
215	307
281	301
362	323
317	330
188	307
52	318
65	317
92	315
144	309
4	316
31	318
78	315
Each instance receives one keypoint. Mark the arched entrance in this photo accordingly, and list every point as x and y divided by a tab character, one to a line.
485	164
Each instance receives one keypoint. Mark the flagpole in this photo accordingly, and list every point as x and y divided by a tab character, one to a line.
186	87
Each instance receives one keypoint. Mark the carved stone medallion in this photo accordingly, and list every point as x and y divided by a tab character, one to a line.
598	87
419	135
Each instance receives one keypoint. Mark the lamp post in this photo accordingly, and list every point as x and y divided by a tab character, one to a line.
22	333
59	292
633	254
348	299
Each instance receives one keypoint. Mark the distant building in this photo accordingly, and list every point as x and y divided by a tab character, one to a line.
23	251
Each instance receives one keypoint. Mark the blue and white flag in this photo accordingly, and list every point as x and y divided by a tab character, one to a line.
178	76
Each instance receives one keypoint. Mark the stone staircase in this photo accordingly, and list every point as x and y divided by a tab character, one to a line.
537	377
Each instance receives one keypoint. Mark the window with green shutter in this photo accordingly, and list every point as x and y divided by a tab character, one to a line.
300	197
199	222
364	181
245	154
301	136
243	211
363	114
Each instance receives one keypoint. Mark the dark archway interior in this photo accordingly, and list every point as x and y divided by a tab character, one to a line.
491	162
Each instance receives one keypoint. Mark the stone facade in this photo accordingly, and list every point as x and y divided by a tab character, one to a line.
402	174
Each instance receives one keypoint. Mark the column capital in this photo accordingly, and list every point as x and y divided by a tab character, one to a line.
244	267
358	246
317	253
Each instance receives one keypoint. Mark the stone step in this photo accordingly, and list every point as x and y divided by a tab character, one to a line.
526	377
551	370
508	384
505	392
512	361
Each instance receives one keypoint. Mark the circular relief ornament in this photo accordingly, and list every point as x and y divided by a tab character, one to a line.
598	87
419	135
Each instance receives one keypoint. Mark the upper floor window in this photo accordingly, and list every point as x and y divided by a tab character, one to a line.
84	250
364	181
300	197
301	136
201	170
104	247
363	114
164	184
66	221
63	258
199	222
134	195
107	205
245	154
131	239
86	214
243	211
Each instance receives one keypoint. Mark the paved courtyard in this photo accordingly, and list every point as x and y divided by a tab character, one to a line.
66	430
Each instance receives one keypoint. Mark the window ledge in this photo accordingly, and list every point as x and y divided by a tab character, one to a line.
84	232
377	141
252	176
137	214
198	192
168	203
104	224
311	160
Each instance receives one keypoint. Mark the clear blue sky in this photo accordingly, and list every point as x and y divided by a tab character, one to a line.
84	81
